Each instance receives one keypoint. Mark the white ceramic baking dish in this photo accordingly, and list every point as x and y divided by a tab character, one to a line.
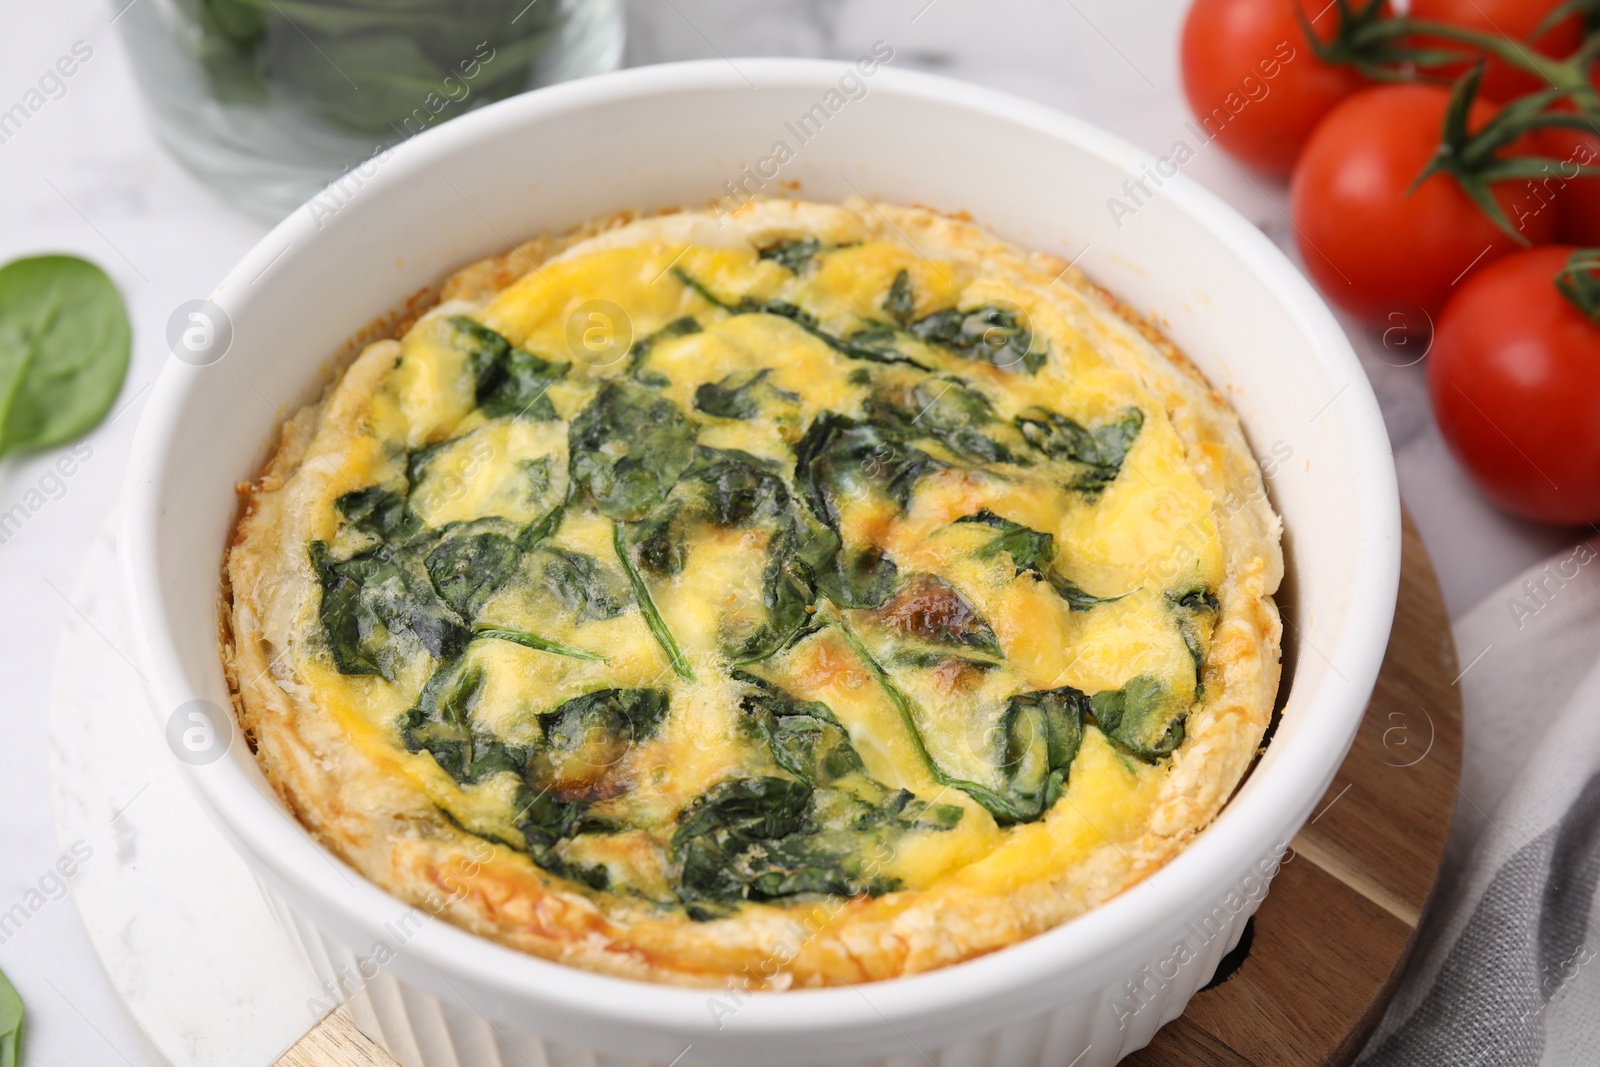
1083	994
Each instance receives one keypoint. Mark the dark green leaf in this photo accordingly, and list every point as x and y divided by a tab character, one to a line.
737	396
737	488
793	254
901	303
534	641
381	512
376	598
1033	552
788	591
1142	716
582	587
485	351
64	342
864	578
1195	609
647	607
837	452
467	568
680	327
948	412
520	390
628	448
1101	449
1039	734
441	722
804	737
989	334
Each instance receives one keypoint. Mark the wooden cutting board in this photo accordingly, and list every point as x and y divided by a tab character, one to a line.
1320	960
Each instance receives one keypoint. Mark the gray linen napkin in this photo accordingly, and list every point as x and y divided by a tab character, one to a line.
1505	971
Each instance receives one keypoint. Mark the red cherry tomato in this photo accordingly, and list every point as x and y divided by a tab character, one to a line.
1515	378
1575	200
1516	19
1252	80
1374	250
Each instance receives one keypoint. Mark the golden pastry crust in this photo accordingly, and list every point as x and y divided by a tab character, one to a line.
1033	876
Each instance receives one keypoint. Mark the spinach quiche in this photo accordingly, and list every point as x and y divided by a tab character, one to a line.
808	595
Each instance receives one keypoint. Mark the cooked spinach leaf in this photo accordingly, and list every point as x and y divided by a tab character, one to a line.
484	348
520	387
859	578
647	607
1033	552
628	448
793	254
619	716
679	327
1039	735
1194	609
441	723
738	395
948	412
64	343
788	594
468	567
930	610
804	736
1142	716
381	512
378	600
858	345
901	303
547	820
837	452
736	487
507	380
988	334
533	641
1102	449
578	582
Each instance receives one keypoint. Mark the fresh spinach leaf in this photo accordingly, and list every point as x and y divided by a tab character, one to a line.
987	334
628	448
11	1014
1142	716
64	342
1102	449
1033	552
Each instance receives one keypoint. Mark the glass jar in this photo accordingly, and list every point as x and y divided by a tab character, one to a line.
270	100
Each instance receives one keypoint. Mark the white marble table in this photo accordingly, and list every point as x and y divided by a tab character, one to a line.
83	175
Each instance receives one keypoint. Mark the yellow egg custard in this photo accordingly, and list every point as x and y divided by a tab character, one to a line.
817	594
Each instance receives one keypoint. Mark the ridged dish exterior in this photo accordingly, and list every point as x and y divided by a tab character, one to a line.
419	1029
